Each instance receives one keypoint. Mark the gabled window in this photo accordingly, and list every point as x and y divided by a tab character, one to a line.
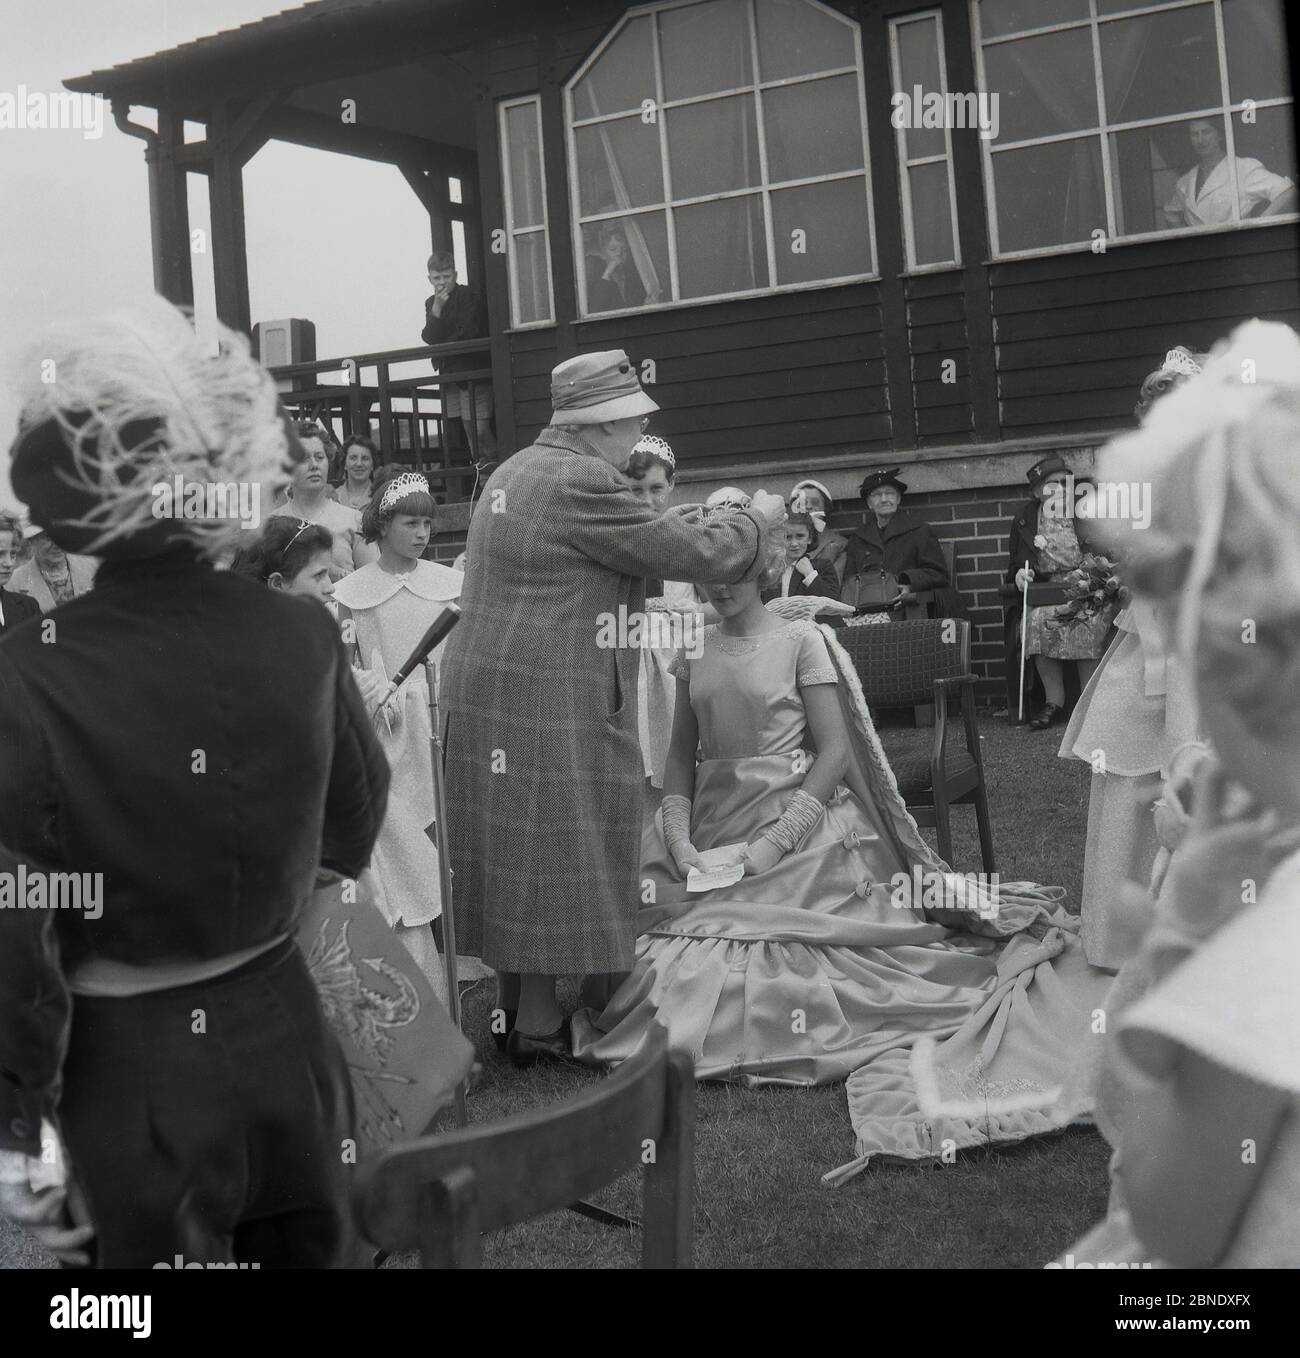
718	148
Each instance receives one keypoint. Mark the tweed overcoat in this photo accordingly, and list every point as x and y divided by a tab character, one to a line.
544	769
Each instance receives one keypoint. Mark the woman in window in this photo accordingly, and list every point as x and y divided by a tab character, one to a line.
1203	196
610	276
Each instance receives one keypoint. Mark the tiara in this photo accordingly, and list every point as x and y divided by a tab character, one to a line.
409	483
1180	361
656	447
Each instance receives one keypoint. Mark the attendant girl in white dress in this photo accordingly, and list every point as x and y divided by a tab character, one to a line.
1202	1074
1134	714
385	608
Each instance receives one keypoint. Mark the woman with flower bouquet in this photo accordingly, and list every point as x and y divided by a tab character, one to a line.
1045	535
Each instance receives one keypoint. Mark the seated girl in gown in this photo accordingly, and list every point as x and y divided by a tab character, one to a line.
818	958
1201	1077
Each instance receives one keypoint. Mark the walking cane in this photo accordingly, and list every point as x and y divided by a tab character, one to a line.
1024	640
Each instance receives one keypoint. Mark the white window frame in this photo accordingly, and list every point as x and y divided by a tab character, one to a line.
513	232
906	162
763	189
1104	130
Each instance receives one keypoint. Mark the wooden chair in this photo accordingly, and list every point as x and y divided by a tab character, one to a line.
901	664
439	1192
932	603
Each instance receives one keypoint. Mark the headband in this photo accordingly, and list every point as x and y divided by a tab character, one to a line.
409	483
303	526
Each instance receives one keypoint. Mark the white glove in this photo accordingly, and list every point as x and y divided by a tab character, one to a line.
1023	577
805	568
34	1194
807	606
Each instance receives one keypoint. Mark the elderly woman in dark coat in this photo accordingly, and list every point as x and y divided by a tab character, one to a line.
891	552
544	769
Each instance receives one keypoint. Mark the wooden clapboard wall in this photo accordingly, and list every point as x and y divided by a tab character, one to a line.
1044	347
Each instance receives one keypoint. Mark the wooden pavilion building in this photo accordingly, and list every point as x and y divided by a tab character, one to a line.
759	201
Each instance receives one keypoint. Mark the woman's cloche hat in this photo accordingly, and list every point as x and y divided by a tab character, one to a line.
1051	465
593	388
875	480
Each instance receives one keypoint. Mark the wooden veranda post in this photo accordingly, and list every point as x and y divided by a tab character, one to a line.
169	213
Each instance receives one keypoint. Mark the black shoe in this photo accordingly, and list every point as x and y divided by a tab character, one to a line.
500	1039
525	1050
1046	716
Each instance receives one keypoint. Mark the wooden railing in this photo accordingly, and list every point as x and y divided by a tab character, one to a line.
354	406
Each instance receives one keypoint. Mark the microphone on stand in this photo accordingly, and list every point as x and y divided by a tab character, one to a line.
437	632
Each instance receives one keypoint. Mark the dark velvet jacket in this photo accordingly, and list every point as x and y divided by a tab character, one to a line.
199	740
908	549
16	608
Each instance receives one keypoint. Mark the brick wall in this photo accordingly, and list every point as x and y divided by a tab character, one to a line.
976	519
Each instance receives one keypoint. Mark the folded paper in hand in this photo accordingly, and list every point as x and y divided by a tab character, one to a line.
722	866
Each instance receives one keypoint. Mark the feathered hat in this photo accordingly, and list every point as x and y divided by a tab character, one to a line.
137	437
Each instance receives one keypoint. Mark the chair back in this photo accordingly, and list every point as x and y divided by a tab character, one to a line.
439	1192
898	662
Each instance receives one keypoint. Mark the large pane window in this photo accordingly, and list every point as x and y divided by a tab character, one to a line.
523	177
722	152
927	191
1133	117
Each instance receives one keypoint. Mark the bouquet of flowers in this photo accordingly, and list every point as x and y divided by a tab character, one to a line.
1092	587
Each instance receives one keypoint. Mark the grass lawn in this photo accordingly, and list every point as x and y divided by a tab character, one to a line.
760	1153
